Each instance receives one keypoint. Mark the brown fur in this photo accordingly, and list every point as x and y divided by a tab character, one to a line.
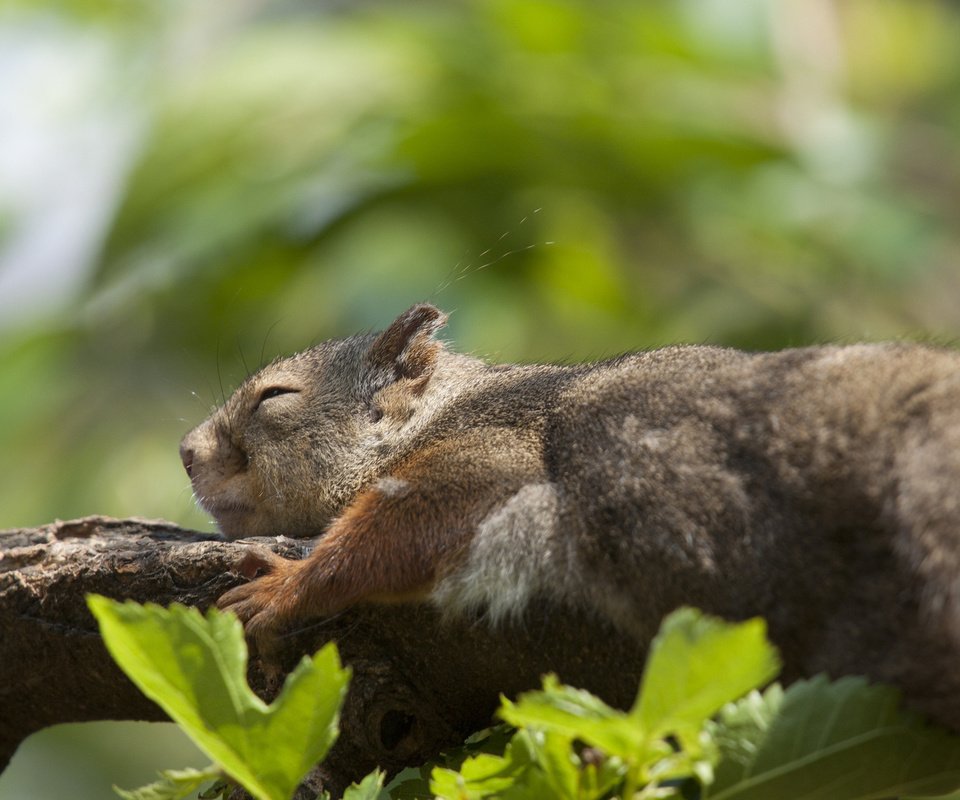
816	487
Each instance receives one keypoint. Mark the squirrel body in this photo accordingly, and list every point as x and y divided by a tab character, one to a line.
816	487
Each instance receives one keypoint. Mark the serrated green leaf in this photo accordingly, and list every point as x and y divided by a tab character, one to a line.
194	668
174	784
696	665
531	784
846	740
480	776
485	774
368	789
577	714
561	768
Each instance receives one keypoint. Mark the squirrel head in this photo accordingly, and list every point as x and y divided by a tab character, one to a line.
297	440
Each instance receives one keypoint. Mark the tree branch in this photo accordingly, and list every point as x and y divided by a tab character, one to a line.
419	685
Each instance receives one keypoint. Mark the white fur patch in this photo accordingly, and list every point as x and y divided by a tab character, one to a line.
392	487
513	556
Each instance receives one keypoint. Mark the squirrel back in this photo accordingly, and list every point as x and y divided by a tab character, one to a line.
815	487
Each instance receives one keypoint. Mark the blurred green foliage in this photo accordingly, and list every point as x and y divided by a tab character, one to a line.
572	179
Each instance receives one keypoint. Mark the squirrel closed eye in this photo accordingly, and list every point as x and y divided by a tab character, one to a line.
271	392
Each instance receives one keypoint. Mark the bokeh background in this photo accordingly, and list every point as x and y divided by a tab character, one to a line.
188	189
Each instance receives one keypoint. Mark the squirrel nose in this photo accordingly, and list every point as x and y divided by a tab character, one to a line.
186	456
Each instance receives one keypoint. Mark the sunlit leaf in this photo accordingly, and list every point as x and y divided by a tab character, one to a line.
367	789
697	664
194	668
577	714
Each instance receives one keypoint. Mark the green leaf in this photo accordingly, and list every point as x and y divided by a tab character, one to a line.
485	774
830	741
368	789
577	714
194	668
222	788
412	783
560	764
479	776
562	772
696	665
173	784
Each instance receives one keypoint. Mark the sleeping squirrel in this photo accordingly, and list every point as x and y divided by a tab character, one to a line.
816	487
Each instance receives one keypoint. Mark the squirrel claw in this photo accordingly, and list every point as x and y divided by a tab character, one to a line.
262	630
253	609
251	598
257	561
240	601
259	603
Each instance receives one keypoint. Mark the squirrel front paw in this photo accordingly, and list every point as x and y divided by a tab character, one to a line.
270	598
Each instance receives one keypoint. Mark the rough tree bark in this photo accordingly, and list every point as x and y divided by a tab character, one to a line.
418	686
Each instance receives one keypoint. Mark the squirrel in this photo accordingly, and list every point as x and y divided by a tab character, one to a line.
817	487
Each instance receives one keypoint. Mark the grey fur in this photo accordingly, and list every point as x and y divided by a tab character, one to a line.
816	487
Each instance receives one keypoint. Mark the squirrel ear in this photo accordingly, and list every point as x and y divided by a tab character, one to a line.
407	348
